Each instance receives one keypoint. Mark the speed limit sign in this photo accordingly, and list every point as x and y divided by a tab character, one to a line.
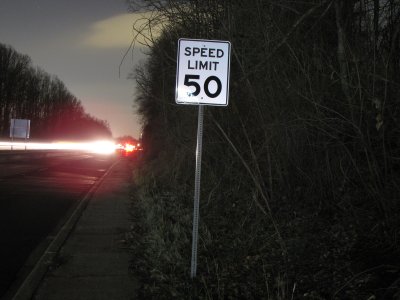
202	76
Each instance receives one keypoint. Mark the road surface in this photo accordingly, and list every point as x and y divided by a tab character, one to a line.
37	194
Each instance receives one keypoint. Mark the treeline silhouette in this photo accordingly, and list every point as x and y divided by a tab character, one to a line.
301	172
28	92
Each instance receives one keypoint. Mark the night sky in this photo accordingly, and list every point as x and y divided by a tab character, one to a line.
82	42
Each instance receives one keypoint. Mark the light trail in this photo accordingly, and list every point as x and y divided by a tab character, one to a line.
100	147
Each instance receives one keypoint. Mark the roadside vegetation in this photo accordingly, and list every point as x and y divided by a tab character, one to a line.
301	172
28	92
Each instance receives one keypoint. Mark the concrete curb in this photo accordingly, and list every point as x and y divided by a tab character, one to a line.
32	281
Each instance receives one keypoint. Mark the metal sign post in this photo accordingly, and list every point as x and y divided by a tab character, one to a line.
197	180
202	78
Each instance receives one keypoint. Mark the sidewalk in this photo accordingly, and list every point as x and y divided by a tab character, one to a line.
93	264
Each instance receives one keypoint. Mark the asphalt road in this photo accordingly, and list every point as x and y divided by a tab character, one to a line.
37	193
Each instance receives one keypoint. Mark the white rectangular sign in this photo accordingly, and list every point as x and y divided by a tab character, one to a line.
20	128
202	76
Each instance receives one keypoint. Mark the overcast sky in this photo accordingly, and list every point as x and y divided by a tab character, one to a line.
82	42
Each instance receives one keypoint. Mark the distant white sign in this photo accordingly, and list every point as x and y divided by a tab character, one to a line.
20	128
203	72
